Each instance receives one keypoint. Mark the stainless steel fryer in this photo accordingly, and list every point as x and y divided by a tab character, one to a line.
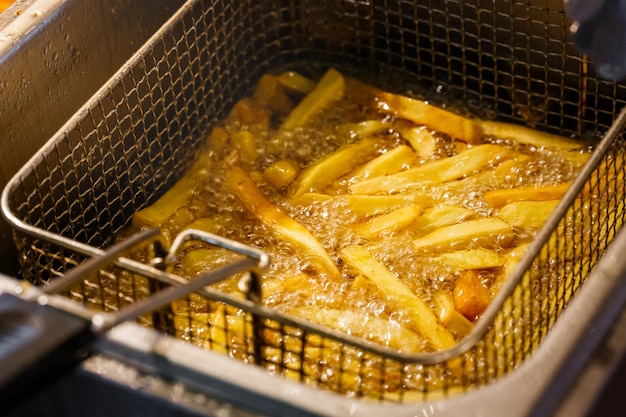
138	134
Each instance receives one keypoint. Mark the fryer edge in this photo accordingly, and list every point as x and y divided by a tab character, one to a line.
535	388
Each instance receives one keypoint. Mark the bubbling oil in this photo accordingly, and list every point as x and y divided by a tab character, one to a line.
332	222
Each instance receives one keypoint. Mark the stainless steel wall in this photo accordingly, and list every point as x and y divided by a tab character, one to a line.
54	55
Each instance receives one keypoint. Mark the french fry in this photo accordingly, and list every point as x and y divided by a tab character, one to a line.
417	111
389	223
446	310
379	330
270	93
245	114
176	198
400	296
301	286
296	82
447	169
365	128
320	175
328	90
484	232
470	296
439	216
363	206
201	260
390	162
421	139
526	136
245	143
478	258
280	223
501	197
281	173
530	214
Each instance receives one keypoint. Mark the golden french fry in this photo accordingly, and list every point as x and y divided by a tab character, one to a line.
328	90
392	161
531	214
501	197
369	327
280	223
246	114
296	82
388	223
417	111
421	139
449	316
271	93
320	175
281	173
484	232
365	128
527	136
245	143
439	216
177	197
301	286
447	169
400	296
478	258
471	298
363	206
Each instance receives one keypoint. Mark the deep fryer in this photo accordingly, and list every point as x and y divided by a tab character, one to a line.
137	135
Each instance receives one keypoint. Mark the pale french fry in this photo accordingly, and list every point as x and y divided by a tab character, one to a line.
296	82
484	232
392	161
400	296
531	214
320	175
382	331
447	169
280	223
271	93
501	197
449	316
512	258
389	223
301	286
201	260
421	139
328	90
363	206
417	111
364	129
471	298
527	136
176	198
478	258
439	216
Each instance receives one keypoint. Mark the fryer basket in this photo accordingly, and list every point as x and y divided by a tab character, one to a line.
507	60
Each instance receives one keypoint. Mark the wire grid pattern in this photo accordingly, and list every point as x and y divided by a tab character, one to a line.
510	60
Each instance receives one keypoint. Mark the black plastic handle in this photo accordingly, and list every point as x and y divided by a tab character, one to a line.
37	344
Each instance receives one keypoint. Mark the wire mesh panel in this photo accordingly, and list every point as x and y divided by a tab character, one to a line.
510	61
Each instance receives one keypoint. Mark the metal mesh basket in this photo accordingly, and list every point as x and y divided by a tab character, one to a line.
506	60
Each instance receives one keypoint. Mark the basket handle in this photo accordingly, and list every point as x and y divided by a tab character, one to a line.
39	342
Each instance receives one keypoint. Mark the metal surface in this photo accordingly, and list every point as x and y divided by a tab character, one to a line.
41	340
139	133
54	54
